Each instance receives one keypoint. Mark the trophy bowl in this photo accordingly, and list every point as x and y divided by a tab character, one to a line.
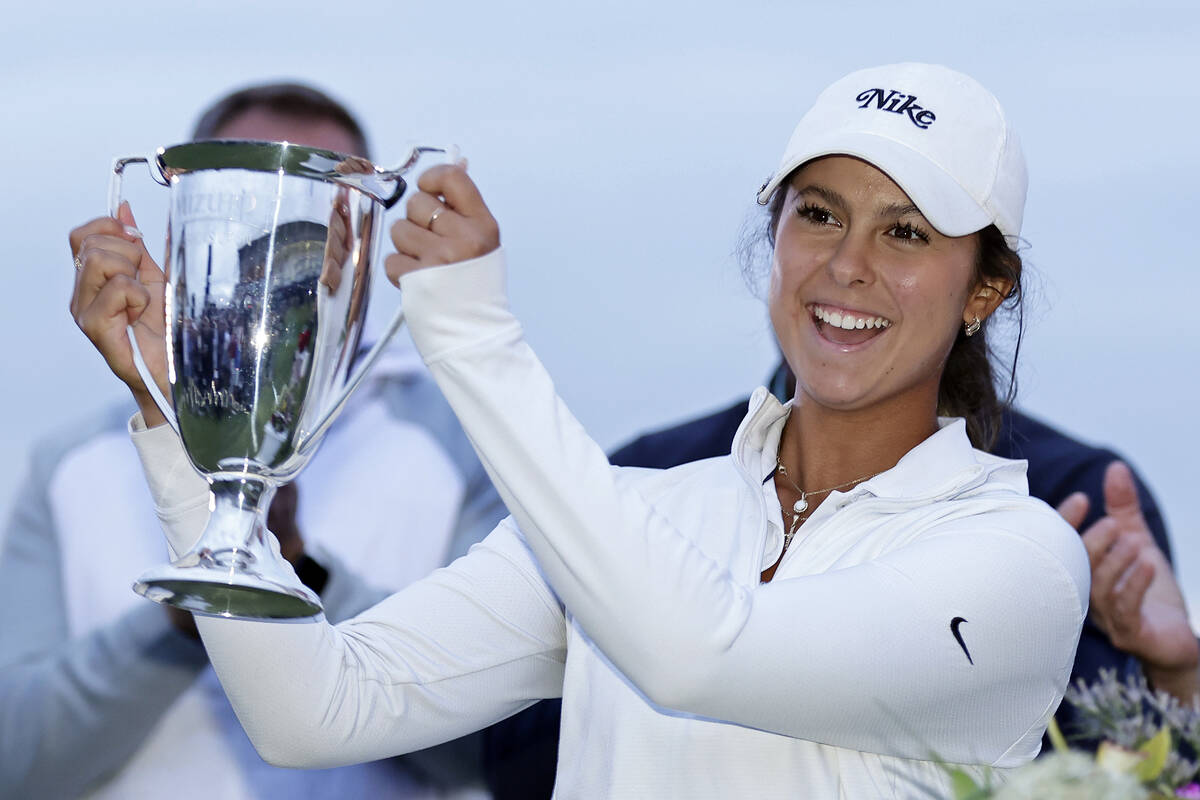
269	256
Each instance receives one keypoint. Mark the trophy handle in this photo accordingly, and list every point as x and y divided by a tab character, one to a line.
114	204
305	445
118	175
397	173
150	383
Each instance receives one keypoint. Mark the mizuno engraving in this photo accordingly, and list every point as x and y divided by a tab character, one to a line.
215	205
898	103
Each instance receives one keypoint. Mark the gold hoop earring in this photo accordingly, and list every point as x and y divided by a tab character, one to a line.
971	328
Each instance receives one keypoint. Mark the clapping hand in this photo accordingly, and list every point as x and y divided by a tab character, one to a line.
1135	598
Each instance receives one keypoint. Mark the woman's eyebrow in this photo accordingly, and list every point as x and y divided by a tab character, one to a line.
825	193
899	210
834	199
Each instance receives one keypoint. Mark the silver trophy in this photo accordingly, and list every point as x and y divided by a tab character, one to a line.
270	248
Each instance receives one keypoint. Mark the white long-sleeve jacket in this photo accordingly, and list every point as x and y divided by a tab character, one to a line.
931	612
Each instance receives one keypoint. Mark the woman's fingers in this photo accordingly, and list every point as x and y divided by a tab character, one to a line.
419	246
447	222
124	228
148	270
428	248
397	265
105	226
117	284
433	214
102	259
119	302
451	182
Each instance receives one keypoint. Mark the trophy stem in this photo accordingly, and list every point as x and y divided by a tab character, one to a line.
233	570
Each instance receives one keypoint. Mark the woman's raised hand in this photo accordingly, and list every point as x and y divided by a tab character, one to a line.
117	283
447	222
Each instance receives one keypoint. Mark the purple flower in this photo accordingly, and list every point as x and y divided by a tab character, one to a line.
1191	790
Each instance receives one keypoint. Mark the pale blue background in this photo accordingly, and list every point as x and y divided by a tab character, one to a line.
620	145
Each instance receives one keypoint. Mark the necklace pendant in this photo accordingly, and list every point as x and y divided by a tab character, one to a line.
800	506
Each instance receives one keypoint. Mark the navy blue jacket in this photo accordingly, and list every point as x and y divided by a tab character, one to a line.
520	753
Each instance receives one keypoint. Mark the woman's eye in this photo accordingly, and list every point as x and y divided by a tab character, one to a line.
909	233
816	215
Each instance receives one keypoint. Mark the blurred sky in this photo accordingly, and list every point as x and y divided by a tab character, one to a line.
620	144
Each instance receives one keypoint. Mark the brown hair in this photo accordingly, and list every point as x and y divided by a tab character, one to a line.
968	387
293	99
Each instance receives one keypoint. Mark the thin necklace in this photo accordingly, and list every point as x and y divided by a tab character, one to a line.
801	506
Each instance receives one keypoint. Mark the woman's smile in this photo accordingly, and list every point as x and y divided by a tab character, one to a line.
845	328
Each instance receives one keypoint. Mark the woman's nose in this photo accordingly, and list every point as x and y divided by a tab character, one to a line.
850	263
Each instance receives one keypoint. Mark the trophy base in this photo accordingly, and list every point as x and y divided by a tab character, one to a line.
222	593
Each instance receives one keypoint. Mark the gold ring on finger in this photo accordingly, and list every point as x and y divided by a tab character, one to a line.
437	212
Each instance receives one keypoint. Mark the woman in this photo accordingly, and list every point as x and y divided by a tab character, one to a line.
853	595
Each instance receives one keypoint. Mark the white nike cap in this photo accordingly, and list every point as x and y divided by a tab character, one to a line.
937	133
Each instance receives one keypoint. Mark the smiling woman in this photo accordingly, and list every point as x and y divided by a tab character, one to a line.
852	248
868	301
853	597
968	387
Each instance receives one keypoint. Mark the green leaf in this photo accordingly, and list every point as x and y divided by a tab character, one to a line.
964	786
1056	736
1156	751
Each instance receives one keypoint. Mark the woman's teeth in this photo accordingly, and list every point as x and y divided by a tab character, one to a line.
849	321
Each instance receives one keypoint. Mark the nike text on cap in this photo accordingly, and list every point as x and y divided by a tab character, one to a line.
937	133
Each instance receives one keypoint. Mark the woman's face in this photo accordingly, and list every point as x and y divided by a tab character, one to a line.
865	296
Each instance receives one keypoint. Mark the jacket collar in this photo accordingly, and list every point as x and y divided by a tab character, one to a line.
943	464
756	442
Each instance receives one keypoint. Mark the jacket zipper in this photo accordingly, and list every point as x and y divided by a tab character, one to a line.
755	575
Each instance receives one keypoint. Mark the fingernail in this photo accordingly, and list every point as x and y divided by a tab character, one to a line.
132	232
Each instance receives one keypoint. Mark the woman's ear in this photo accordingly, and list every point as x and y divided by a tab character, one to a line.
986	298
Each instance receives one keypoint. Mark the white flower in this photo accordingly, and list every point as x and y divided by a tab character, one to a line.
1069	776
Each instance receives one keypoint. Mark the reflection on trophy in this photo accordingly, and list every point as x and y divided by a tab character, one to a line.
268	265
